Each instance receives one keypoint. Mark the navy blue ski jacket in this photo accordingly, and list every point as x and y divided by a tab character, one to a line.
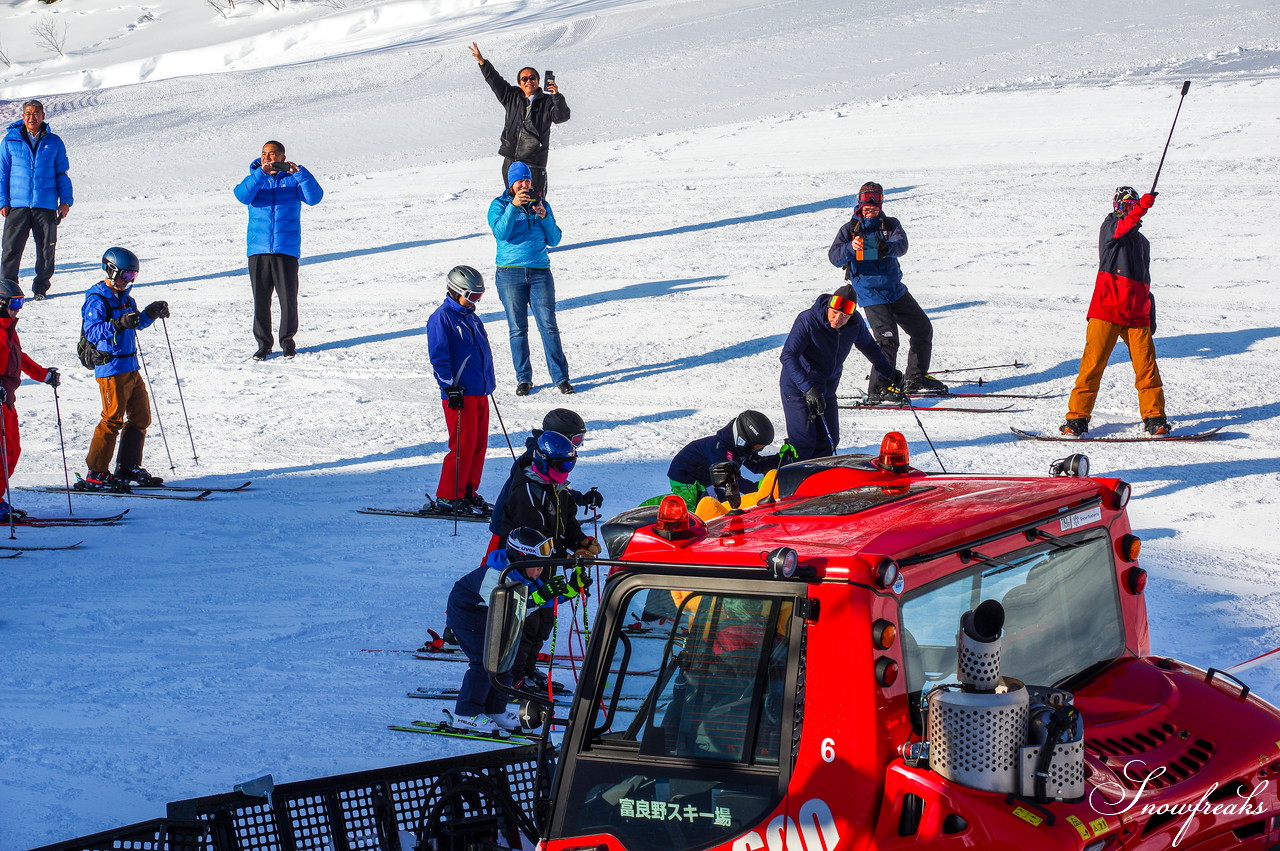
814	353
692	465
459	349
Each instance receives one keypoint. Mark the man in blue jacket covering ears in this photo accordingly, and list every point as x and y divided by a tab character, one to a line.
111	321
812	363
462	364
274	191
35	194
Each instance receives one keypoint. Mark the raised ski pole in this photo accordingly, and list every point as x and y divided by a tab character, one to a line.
1186	87
504	426
66	475
183	402
155	403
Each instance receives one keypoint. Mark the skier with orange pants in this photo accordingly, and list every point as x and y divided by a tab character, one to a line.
1122	309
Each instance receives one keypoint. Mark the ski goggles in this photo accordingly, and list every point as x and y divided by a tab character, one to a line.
840	304
17	302
543	548
561	465
874	197
128	275
576	439
473	297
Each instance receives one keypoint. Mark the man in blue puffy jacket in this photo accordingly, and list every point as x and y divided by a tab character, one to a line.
813	362
525	227
462	363
868	247
35	194
274	192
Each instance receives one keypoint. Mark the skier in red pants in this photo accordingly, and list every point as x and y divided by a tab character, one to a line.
16	362
463	366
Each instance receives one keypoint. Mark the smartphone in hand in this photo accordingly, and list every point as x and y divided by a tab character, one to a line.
549	76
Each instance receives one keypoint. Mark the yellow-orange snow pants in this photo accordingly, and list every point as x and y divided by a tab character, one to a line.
1099	340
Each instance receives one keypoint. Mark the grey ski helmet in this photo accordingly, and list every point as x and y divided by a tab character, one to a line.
566	422
117	260
465	281
752	429
10	289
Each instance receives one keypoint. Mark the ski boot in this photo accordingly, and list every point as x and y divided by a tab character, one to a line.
1156	426
481	724
926	384
8	512
1075	427
138	476
96	481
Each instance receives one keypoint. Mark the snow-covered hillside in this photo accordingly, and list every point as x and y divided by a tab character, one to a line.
712	155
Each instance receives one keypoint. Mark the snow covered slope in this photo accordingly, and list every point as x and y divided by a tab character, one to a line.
712	155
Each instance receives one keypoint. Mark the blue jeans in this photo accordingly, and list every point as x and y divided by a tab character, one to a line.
519	289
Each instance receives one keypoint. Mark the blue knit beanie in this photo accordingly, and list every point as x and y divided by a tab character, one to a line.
518	171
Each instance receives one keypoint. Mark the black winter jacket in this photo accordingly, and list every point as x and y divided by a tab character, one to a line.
526	133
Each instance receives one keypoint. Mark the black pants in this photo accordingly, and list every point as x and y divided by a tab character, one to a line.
274	273
539	177
537	629
885	319
18	225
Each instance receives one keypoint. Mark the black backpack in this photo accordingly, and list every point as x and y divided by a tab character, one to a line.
88	352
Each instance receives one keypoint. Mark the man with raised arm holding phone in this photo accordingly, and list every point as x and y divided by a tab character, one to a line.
531	110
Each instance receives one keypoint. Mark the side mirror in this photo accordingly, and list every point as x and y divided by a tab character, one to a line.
507	606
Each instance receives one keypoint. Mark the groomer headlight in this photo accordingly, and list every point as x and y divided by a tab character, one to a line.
1076	465
782	562
888	575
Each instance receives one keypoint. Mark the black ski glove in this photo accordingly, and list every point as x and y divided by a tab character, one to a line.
555	587
126	322
722	473
54	378
580	581
590	499
157	310
454	394
815	403
898	381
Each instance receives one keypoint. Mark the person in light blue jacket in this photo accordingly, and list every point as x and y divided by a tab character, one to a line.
525	227
35	194
274	192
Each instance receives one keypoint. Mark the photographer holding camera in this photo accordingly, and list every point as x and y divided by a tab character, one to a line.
274	192
526	133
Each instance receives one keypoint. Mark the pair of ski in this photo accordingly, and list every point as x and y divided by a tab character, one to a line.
183	492
435	512
440	728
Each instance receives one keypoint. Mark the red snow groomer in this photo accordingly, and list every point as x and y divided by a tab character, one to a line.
875	657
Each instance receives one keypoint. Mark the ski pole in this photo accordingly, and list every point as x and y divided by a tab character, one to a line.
1186	86
907	398
155	403
504	426
1014	365
457	452
183	402
66	474
4	458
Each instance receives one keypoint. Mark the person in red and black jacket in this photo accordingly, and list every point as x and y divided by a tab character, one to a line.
16	363
1122	308
530	112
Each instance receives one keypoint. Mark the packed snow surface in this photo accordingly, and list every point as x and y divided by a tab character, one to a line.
714	150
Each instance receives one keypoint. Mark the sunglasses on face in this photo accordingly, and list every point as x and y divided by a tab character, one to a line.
843	305
16	302
529	78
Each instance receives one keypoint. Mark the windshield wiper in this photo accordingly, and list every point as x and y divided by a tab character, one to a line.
1060	543
1071	681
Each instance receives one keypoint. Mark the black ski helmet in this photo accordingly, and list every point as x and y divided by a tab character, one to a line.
525	543
1124	199
752	429
564	421
554	456
10	289
463	280
117	260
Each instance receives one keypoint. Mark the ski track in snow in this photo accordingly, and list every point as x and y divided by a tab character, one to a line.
713	153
